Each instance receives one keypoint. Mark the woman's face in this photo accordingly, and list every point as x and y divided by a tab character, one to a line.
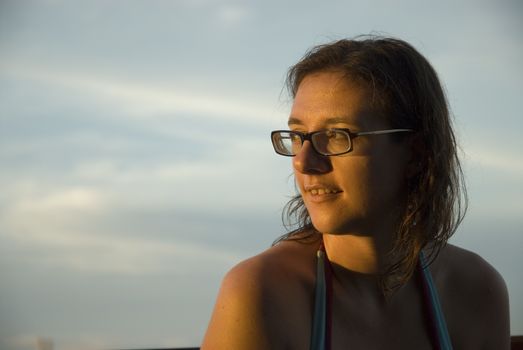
354	192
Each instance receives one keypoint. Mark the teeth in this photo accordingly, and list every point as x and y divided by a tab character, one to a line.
322	191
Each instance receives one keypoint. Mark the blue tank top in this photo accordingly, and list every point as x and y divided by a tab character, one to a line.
321	325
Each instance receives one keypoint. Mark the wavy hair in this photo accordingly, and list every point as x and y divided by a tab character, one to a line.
406	89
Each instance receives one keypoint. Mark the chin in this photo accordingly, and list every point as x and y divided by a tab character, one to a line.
335	225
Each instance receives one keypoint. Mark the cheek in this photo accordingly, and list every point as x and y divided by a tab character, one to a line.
360	186
387	179
355	173
369	180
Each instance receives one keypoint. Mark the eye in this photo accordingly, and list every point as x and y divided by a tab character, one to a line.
335	135
295	138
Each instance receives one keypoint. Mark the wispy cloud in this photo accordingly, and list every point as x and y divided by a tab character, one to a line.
58	225
501	161
232	14
141	100
68	211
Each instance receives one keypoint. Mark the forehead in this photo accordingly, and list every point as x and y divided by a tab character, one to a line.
331	98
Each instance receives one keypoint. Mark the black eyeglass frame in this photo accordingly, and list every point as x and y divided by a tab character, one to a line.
308	136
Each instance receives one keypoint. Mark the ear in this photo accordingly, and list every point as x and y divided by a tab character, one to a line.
417	155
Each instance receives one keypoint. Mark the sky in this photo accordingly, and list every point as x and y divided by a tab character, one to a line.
135	162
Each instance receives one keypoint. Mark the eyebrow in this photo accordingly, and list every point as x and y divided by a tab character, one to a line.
332	120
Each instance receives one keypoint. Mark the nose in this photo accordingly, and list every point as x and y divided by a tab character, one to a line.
308	161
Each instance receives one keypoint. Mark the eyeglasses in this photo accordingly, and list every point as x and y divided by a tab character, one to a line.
330	142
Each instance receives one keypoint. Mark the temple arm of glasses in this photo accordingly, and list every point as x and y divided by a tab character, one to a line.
379	132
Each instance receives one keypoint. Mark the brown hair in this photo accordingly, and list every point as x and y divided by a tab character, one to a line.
406	89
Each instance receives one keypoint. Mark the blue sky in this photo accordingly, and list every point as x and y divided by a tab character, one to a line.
135	162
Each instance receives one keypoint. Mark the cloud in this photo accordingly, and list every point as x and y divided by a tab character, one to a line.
70	199
499	161
231	15
140	100
81	217
57	223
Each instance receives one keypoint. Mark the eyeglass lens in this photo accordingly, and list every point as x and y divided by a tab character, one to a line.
328	142
331	142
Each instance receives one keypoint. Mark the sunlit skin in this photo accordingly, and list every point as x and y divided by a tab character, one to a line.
265	302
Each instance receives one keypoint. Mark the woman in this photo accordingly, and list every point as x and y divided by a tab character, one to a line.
380	193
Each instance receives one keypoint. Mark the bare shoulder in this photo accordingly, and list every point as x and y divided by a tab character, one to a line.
268	270
474	297
247	313
465	268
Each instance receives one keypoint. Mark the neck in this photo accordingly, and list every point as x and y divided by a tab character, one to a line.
362	254
357	263
365	248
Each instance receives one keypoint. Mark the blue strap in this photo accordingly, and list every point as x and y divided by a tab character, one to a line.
438	318
319	321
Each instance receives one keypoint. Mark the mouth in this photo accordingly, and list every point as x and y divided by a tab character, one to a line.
322	191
